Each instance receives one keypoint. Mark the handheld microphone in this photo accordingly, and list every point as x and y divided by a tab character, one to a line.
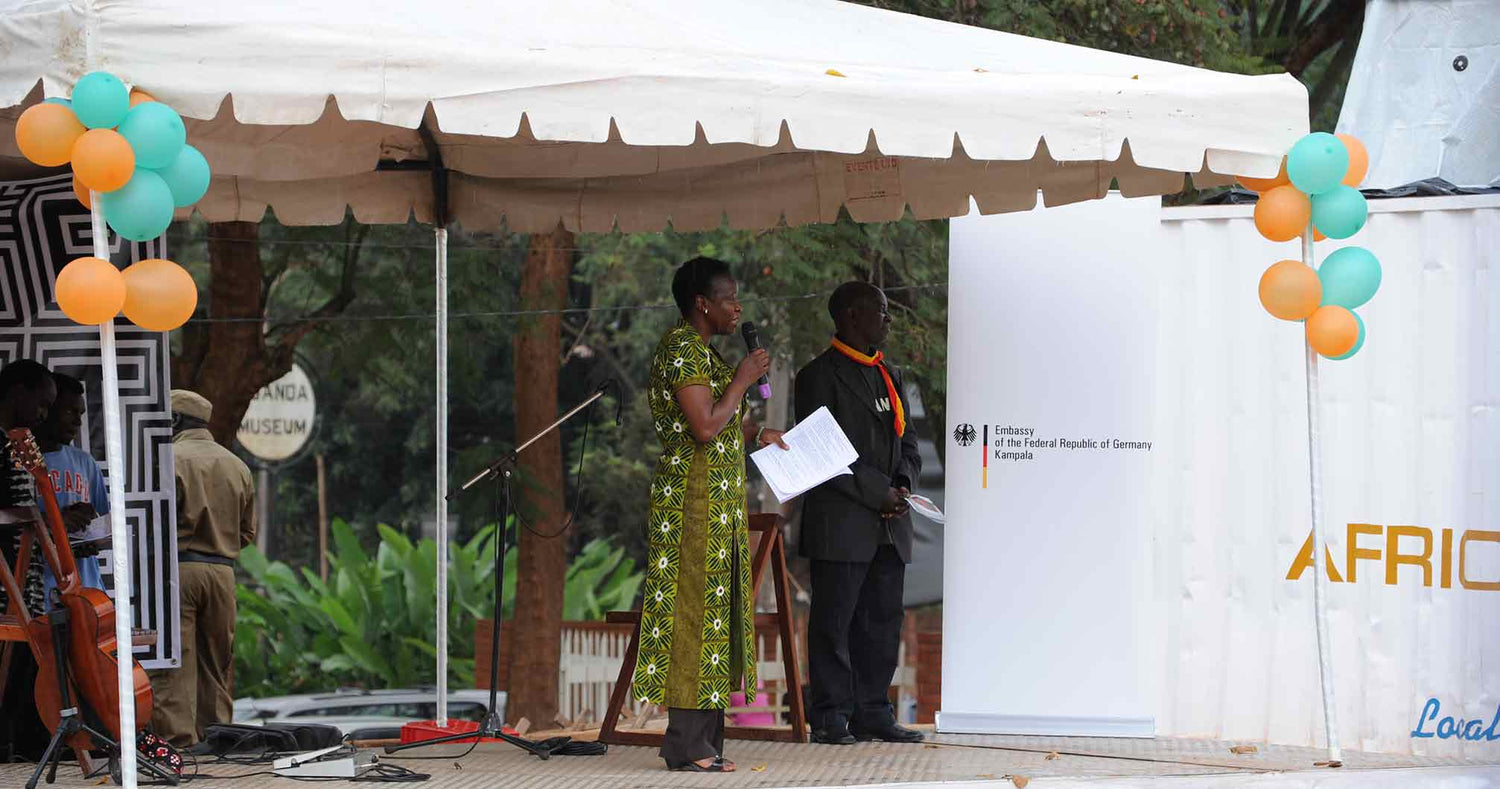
752	342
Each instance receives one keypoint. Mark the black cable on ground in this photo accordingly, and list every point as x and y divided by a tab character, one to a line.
378	773
574	748
472	746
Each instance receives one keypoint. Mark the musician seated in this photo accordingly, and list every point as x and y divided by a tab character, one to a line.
82	493
26	392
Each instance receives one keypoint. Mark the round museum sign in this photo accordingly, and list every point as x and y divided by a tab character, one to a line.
279	422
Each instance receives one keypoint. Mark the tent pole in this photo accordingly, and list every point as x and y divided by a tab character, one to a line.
441	234
114	457
1320	569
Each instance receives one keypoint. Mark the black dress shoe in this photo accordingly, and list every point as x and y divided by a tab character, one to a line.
833	736
890	732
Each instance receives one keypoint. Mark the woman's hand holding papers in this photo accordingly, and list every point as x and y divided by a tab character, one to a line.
767	436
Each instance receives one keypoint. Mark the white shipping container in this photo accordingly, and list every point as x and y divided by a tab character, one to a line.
1411	450
1220	639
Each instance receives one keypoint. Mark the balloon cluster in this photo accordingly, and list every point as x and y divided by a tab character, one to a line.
1317	186
132	151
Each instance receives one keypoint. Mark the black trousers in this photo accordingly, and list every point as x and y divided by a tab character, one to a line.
854	639
692	735
23	736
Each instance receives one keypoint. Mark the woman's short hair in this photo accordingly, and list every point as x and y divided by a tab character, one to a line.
694	278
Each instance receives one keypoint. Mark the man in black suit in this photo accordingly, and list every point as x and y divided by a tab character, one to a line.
856	528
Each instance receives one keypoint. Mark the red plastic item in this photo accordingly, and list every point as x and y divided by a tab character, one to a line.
419	731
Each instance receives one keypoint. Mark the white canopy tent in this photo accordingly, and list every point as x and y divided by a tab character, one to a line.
601	114
593	112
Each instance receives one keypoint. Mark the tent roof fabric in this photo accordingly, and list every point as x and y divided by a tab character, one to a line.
636	114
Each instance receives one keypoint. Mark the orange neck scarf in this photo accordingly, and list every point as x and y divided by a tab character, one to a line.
878	360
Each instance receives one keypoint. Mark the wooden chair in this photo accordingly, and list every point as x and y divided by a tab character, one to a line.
13	622
770	550
12	630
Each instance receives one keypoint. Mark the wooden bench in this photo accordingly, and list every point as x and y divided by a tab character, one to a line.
770	551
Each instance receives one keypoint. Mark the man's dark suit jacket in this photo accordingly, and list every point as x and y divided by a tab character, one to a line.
841	518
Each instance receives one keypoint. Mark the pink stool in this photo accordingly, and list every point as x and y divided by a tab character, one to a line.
737	699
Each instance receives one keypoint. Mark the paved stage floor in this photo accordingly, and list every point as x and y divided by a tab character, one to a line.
1041	762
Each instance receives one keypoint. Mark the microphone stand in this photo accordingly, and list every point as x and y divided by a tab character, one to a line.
493	726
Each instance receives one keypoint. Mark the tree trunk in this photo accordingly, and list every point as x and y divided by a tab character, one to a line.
228	362
542	562
1332	25
229	358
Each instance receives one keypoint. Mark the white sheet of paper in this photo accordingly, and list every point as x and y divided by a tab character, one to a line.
926	507
98	529
819	451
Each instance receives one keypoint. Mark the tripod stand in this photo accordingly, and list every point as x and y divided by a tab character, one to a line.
502	468
71	716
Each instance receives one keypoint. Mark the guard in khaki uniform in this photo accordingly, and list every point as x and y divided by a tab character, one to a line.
215	519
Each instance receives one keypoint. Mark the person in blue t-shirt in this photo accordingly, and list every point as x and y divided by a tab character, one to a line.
82	494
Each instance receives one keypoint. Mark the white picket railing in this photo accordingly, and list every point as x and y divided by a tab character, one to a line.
592	654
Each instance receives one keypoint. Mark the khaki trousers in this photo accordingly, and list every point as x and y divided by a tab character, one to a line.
201	692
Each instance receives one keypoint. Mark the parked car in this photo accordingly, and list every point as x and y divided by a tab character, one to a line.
355	709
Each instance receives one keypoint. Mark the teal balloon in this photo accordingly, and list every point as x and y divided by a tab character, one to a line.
1350	277
58	100
1359	343
1317	163
100	100
141	209
187	176
155	132
1340	212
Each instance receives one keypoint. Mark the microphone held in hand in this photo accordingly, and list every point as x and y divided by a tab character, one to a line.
752	342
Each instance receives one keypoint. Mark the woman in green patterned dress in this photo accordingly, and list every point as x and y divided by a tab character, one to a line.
698	618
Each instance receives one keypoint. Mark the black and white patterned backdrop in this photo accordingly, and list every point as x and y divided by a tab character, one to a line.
42	228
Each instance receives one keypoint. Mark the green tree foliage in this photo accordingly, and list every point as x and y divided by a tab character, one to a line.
1191	32
371	624
376	380
1313	40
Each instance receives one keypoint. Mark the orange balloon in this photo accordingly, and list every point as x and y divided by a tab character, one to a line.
1290	290
45	133
159	295
90	291
1359	160
1332	330
82	193
138	96
1264	185
1318	234
103	160
1282	213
